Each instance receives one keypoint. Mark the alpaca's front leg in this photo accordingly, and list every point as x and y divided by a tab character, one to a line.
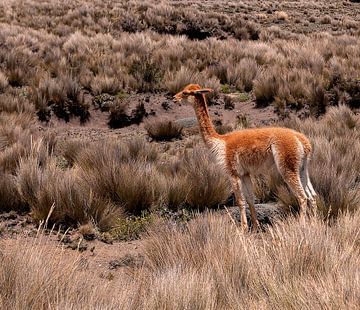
239	197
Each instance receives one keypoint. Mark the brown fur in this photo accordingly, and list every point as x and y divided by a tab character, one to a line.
252	151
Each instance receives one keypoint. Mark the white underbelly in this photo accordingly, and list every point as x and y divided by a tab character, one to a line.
265	167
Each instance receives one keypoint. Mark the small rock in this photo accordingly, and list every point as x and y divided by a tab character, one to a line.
126	261
12	215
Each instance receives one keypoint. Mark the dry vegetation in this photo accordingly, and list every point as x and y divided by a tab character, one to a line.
70	60
64	56
209	264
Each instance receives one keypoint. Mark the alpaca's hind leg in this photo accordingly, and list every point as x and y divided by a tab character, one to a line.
249	196
240	201
293	180
290	171
306	183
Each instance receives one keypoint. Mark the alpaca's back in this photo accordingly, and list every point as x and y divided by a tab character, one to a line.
256	150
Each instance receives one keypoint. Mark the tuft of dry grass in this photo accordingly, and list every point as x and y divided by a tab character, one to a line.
208	185
281	15
104	84
43	186
123	175
72	148
3	82
164	130
120	116
10	199
62	96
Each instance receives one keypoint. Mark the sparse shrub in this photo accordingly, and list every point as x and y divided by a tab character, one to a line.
244	97
345	91
242	121
131	227
245	30
225	88
146	72
120	118
164	130
104	101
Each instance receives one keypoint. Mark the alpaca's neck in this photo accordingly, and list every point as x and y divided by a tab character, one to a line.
206	126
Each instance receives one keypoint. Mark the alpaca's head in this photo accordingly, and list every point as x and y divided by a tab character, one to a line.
191	90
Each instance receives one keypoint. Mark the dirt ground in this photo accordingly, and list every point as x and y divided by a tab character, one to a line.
97	127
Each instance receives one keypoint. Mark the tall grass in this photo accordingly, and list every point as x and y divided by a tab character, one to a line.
208	264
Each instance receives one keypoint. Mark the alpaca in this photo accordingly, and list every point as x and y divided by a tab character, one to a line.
251	151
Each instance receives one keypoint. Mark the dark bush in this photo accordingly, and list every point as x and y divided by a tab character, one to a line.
164	130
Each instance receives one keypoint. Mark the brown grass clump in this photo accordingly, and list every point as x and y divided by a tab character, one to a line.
3	82
104	84
72	148
125	176
281	15
10	199
43	186
164	130
62	96
208	185
120	116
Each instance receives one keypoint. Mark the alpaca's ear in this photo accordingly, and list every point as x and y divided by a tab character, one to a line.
203	91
